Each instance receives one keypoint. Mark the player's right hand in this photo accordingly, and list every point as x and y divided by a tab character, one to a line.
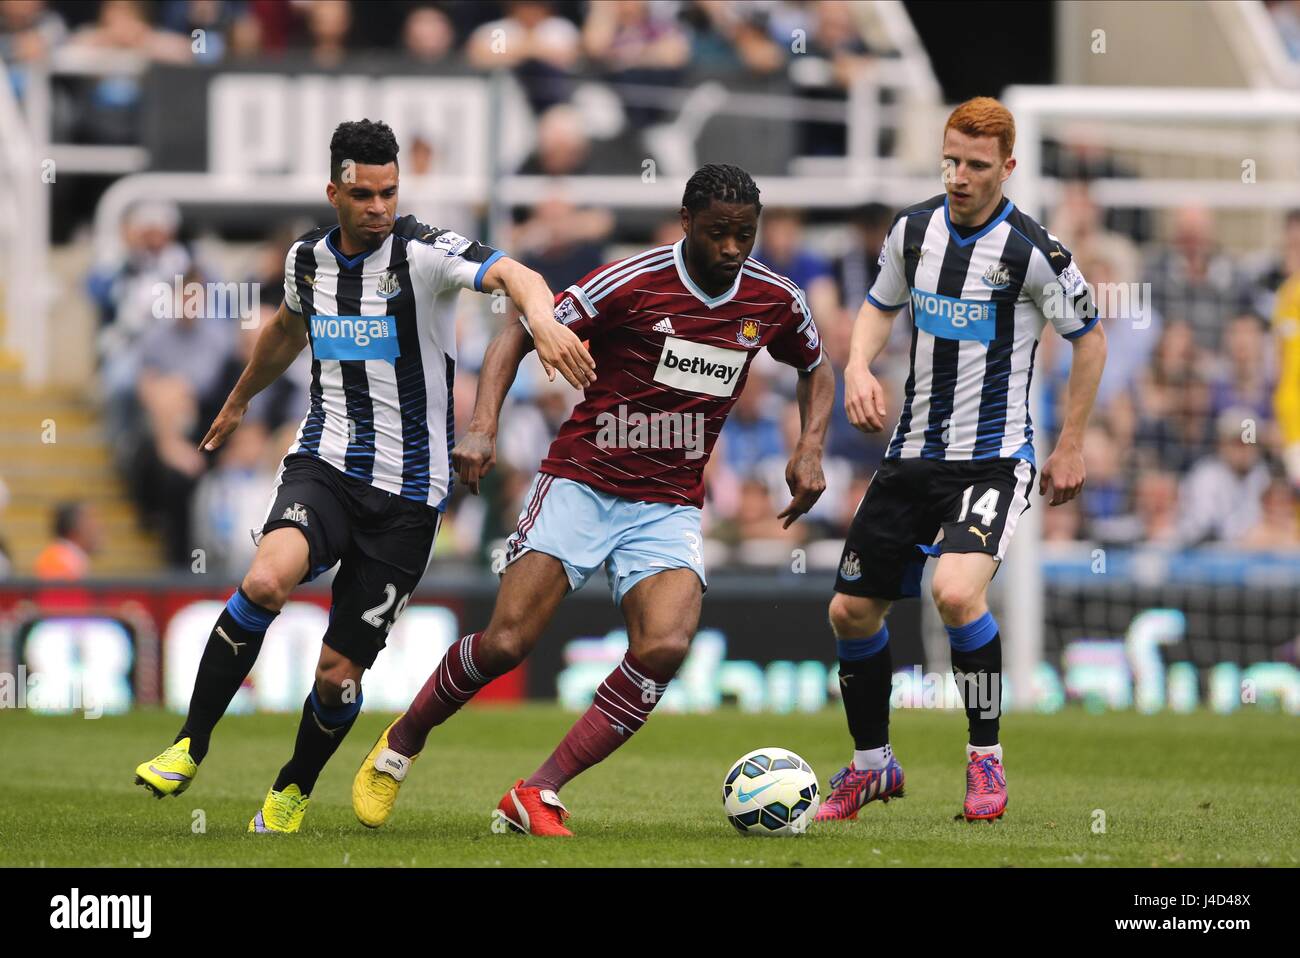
864	400
474	457
227	421
558	347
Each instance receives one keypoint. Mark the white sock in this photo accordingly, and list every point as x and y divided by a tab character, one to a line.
973	750
872	758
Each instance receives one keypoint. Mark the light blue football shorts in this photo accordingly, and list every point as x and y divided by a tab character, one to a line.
585	528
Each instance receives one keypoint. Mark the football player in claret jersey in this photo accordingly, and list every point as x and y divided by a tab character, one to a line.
982	279
673	331
365	483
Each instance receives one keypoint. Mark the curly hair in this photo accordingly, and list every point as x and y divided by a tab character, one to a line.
984	116
722	182
362	141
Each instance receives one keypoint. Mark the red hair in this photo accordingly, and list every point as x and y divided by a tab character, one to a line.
984	116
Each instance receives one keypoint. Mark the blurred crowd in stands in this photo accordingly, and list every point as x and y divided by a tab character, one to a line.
547	44
1189	445
1195	437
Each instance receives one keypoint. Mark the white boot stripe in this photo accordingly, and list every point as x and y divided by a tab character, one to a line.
521	811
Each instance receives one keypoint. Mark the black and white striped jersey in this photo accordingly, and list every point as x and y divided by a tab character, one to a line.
978	305
382	326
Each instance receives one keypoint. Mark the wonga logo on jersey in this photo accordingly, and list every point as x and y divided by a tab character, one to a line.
950	318
699	368
354	337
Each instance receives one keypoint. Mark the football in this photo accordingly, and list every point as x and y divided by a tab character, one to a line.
770	791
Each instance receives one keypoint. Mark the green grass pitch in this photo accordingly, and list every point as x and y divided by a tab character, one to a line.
1176	790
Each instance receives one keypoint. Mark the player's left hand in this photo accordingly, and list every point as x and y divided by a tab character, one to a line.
1063	474
803	474
558	347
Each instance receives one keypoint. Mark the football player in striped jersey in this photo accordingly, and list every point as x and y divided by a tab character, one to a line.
364	485
981	279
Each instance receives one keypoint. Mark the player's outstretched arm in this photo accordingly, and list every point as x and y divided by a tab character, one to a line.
803	474
475	453
864	398
1063	473
557	346
278	344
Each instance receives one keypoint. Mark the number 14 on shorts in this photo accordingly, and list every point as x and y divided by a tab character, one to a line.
986	506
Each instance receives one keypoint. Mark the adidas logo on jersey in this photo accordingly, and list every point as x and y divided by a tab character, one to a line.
296	513
665	326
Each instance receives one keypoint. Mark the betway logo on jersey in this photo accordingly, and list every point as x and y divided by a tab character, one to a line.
950	318
354	337
699	368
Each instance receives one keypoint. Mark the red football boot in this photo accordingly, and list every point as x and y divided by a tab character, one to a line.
532	811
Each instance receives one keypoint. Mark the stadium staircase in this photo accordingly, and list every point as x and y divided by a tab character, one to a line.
77	466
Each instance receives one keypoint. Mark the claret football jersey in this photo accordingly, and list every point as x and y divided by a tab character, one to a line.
671	361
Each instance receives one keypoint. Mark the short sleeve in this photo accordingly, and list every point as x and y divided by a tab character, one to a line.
291	301
890	291
798	344
453	262
575	310
1057	287
587	306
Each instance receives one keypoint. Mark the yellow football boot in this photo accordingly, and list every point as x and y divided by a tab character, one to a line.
169	773
281	812
374	790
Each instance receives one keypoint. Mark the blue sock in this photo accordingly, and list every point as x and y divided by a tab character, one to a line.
248	614
853	650
866	676
973	635
336	715
227	659
977	667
